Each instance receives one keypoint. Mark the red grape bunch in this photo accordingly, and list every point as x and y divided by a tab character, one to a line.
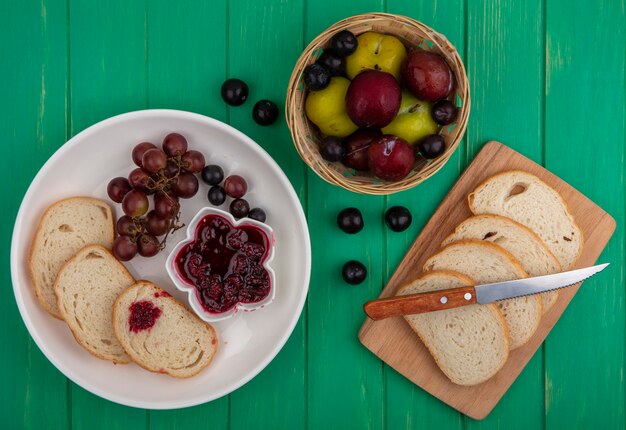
167	174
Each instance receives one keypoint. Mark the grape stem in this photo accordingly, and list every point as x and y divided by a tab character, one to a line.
163	183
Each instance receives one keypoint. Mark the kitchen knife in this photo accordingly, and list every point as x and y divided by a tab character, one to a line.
481	294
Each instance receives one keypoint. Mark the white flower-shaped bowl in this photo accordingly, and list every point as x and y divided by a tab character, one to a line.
191	289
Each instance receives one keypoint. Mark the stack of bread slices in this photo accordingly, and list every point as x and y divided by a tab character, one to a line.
521	227
77	279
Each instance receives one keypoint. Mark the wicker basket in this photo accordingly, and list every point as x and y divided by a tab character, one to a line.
305	135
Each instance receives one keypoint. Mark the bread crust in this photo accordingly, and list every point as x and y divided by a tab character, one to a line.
44	216
493	308
116	315
63	315
470	202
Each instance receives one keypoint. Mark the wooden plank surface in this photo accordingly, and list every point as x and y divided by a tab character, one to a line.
405	400
107	77
33	83
395	343
500	58
583	390
547	78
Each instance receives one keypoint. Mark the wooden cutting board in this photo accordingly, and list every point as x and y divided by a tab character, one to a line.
393	341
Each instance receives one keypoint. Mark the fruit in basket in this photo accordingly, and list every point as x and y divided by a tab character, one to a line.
428	75
357	145
265	112
444	112
335	64
413	121
373	99
344	43
234	91
316	77
376	51
432	146
332	149
391	158
327	109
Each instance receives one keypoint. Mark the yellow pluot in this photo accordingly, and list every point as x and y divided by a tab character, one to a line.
327	109
376	51
413	121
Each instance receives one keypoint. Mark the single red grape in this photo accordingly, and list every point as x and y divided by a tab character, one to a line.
235	186
147	245
193	161
117	189
154	160
124	248
139	179
166	205
156	225
139	150
126	226
171	169
186	185
174	144
135	203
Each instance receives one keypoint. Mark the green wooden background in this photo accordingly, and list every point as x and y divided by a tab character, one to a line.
547	78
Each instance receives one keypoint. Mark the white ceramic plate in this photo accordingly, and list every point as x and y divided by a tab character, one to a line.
248	341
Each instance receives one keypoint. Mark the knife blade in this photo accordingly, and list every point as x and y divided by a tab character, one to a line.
481	294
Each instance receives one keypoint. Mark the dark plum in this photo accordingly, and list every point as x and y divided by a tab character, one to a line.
344	43
316	76
398	218
212	174
354	272
234	91
216	195
239	208
432	146
332	149
444	112
265	112
335	64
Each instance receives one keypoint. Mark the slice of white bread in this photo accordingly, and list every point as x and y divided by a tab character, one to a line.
178	343
527	248
66	227
86	289
528	200
485	262
470	344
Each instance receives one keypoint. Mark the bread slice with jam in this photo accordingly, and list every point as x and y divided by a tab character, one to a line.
160	334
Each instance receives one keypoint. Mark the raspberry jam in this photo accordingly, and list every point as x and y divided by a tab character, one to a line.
143	315
225	264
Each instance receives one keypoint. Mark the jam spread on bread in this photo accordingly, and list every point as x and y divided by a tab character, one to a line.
143	315
225	264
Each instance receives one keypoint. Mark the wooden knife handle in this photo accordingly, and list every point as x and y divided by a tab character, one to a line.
420	303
